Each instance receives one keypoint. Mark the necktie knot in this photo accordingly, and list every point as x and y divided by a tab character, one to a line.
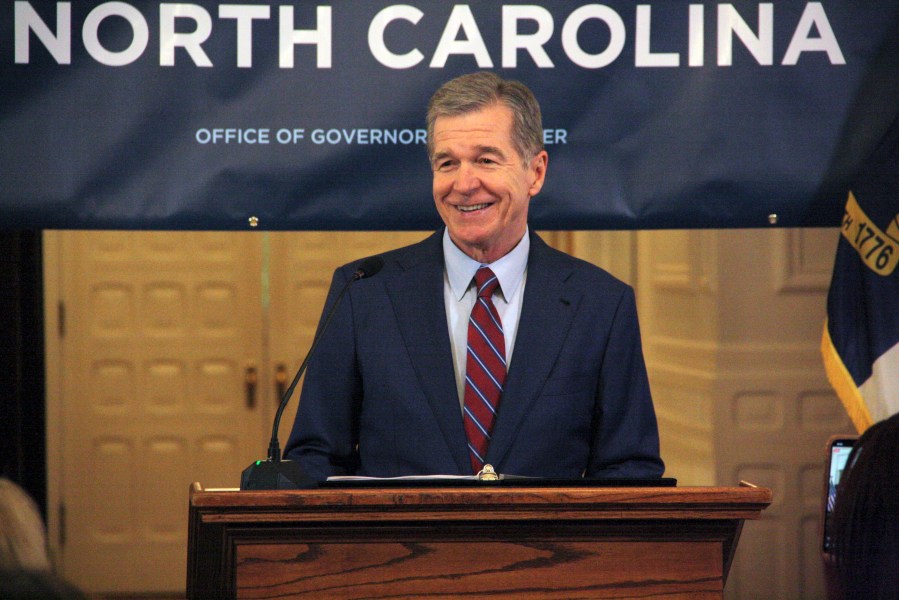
486	282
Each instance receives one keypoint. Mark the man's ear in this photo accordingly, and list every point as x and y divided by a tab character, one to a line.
537	170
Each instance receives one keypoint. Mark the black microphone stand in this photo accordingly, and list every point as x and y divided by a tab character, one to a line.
275	473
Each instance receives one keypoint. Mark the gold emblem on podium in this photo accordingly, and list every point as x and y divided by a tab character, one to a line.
488	474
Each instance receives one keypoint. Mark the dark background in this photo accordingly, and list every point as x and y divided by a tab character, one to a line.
22	403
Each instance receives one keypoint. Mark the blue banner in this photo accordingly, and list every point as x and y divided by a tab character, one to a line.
310	115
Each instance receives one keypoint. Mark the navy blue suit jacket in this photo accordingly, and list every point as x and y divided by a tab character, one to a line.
380	395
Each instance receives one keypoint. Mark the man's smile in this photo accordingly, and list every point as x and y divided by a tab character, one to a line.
473	207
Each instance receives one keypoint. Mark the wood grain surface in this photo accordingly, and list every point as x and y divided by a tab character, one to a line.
467	542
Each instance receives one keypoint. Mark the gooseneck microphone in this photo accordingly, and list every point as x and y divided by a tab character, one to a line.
275	473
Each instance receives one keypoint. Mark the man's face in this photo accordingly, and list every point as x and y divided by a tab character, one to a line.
482	187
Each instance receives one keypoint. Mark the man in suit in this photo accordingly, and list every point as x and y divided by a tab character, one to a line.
411	378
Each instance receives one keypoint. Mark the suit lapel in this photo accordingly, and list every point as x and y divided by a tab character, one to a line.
417	297
546	313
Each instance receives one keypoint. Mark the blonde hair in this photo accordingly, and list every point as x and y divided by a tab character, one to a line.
23	537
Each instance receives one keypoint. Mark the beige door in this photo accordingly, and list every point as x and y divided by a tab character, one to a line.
160	333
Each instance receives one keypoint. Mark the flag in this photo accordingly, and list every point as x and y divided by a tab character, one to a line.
860	344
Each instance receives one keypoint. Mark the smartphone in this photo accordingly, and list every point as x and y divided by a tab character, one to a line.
838	450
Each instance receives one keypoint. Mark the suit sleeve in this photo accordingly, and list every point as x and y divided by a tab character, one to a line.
626	437
325	432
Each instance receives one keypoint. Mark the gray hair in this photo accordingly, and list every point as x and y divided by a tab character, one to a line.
476	91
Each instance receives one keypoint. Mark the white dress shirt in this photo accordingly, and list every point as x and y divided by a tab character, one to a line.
459	296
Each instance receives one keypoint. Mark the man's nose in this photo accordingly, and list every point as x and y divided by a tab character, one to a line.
466	179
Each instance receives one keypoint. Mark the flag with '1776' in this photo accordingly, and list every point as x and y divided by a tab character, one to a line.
860	344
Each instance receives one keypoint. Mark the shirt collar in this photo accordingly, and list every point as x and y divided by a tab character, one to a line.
460	268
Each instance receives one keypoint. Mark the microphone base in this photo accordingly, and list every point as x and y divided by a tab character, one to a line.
281	475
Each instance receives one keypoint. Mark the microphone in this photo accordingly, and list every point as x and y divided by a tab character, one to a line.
274	473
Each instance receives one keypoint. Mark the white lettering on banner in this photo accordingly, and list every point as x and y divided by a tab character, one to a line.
555	136
534	42
319	37
192	42
139	41
362	137
801	42
644	57
761	46
244	15
59	46
232	135
460	36
376	37
696	42
573	48
461	18
403	137
290	136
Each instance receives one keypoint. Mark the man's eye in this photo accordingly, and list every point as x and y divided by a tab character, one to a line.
486	161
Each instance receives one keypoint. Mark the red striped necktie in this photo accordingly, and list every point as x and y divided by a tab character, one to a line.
485	368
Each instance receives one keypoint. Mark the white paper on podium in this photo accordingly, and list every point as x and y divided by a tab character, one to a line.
401	478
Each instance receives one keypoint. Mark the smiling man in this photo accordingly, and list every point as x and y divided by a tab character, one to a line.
482	183
480	345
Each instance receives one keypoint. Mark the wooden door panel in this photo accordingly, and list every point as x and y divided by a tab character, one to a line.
159	329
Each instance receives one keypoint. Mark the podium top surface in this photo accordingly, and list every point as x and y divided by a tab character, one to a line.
743	502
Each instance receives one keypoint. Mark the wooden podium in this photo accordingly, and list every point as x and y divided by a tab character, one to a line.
471	542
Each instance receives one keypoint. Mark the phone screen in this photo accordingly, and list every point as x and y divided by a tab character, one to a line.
839	455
